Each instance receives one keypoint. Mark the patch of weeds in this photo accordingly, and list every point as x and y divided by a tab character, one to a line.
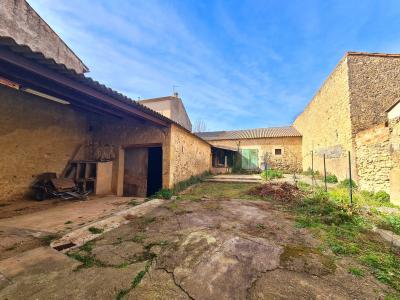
346	182
330	178
271	174
305	187
47	239
87	260
260	226
343	248
122	293
305	222
390	222
138	238
382	197
147	220
68	222
95	230
135	282
87	247
356	272
122	265
164	194
133	202
157	243
385	267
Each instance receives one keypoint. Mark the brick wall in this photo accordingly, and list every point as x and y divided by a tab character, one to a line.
325	124
373	158
291	146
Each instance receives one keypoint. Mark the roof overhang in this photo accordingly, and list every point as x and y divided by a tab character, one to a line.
80	91
226	148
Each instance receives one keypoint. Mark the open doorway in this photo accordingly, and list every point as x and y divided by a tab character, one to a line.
154	170
142	171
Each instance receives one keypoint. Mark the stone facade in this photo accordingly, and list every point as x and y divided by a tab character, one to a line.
374	158
36	136
172	107
346	115
325	125
19	21
39	135
290	159
394	128
374	87
190	155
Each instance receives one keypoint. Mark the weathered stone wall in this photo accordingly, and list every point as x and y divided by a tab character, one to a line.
326	127
289	160
36	136
373	158
190	155
374	87
122	134
19	21
394	127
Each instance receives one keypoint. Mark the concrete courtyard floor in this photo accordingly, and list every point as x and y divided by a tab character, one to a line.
39	222
209	245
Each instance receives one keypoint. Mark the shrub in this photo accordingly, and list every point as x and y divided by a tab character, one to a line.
95	230
345	183
382	196
331	178
271	174
164	194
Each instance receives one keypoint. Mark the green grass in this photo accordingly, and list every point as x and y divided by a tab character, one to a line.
356	272
218	190
346	231
390	222
346	182
271	174
95	230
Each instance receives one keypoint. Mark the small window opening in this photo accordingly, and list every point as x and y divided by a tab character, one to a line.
278	151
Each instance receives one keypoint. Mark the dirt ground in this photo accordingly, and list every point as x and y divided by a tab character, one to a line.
199	247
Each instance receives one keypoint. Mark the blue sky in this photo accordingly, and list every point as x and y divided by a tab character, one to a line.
237	64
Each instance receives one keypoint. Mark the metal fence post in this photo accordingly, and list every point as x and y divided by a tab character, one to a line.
350	182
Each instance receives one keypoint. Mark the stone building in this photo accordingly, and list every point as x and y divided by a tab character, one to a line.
53	117
278	148
348	113
172	107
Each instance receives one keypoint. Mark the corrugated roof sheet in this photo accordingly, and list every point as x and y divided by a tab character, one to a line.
50	63
288	131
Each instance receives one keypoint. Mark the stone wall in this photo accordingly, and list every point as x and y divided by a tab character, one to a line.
325	125
121	134
190	155
289	160
20	22
36	136
374	87
373	158
394	127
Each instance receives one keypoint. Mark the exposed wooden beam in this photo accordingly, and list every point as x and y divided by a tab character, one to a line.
12	58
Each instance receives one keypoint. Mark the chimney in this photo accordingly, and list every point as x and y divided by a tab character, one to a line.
176	94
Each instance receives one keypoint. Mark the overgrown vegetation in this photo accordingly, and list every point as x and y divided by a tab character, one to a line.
330	178
218	190
271	174
346	182
95	230
346	231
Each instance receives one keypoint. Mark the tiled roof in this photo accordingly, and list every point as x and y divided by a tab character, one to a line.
256	133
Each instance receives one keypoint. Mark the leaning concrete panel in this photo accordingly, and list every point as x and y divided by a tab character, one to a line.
21	23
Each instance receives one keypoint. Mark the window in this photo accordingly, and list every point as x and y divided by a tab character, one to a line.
278	151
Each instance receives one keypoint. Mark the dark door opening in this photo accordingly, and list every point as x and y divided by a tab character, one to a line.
154	170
